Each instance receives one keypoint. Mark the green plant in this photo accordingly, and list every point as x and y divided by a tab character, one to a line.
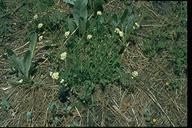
92	62
23	65
29	117
5	104
80	16
179	60
174	85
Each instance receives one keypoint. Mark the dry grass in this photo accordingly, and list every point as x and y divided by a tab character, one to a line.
116	107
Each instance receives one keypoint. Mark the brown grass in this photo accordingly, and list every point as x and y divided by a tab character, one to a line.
116	107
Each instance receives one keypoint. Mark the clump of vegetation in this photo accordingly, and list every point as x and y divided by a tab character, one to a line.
23	66
94	52
93	63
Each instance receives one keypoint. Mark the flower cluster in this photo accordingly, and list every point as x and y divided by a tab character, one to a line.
40	25
40	38
136	26
54	75
35	16
89	37
118	31
67	34
63	55
99	13
134	74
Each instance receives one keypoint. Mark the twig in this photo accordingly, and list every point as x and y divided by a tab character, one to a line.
152	25
102	120
78	114
150	10
95	120
110	2
157	103
11	13
134	111
21	46
119	112
46	112
88	116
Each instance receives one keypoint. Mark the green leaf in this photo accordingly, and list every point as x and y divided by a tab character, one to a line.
27	63
14	61
52	107
124	16
98	5
71	24
33	42
29	116
82	25
129	24
5	104
2	5
80	14
115	20
14	82
27	60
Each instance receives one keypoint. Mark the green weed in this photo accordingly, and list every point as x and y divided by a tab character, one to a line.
23	66
94	61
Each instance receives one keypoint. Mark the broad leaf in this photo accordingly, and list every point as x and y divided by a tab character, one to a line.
82	25
124	16
5	104
33	42
14	61
27	60
129	24
27	63
98	5
71	24
80	14
115	20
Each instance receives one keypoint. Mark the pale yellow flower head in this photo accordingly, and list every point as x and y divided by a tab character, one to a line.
166	83
89	37
154	120
63	55
35	16
117	30
135	74
61	81
67	34
20	81
99	13
50	73
121	34
40	38
40	25
137	25
54	75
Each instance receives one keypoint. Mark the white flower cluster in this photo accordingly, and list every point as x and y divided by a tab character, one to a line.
63	55
89	37
40	25
136	26
99	13
67	34
35	16
118	31
134	74
54	75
